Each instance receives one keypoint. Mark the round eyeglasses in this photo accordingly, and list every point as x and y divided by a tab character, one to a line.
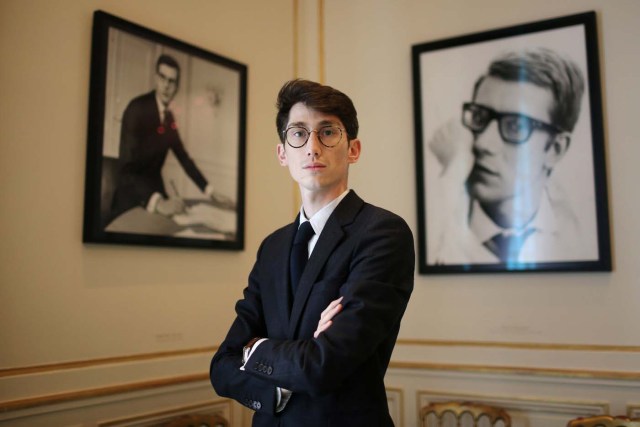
514	128
297	136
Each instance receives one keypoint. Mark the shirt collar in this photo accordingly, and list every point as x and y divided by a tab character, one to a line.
484	227
161	106
319	220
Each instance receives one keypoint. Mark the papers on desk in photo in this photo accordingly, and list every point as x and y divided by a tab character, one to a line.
217	219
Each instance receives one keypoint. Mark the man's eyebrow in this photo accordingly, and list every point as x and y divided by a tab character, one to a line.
320	124
164	76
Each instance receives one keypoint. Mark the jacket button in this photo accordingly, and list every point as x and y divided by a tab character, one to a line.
258	405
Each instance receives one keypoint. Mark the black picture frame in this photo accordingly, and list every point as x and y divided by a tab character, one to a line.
199	151
460	186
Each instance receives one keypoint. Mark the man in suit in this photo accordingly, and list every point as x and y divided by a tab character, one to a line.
148	132
500	203
315	353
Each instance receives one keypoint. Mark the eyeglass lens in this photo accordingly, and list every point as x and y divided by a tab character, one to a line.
329	136
514	128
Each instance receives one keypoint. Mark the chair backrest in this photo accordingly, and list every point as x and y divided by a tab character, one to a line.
604	421
198	420
434	414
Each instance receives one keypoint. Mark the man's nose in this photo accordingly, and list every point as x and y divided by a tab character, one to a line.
489	140
314	146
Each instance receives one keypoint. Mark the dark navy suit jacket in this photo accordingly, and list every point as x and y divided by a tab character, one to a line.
144	144
364	254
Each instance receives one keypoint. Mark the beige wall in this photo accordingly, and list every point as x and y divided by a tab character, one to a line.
517	340
368	52
87	301
63	301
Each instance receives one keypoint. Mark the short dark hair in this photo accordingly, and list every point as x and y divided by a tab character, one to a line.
316	96
547	69
169	61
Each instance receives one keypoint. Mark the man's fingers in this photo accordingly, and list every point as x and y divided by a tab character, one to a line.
330	312
335	310
325	321
322	328
331	306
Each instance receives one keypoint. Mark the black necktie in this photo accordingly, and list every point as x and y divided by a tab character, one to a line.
507	246
299	254
168	118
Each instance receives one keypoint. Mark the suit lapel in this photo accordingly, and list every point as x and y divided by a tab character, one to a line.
283	286
331	236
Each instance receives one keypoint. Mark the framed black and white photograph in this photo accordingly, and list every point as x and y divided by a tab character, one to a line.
166	141
510	158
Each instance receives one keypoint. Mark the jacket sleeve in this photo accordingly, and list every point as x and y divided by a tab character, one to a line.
376	293
187	162
225	374
137	188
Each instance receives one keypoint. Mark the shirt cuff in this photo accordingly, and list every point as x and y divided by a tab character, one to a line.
153	202
260	341
282	399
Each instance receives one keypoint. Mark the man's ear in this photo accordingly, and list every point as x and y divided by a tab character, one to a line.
282	154
557	148
354	150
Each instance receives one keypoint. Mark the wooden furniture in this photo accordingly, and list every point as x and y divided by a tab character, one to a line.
604	421
198	420
437	414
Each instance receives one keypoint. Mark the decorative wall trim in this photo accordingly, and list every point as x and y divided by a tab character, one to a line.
321	55
296	45
402	341
516	370
220	407
13	405
395	400
28	370
32	402
521	345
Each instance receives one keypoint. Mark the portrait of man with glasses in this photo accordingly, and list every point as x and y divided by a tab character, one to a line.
518	126
148	133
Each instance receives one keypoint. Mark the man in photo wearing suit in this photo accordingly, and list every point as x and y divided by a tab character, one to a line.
311	344
148	132
504	206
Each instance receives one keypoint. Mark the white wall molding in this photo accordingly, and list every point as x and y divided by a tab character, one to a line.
533	401
223	407
45	386
395	400
576	361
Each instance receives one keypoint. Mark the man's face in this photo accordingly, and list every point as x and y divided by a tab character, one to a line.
504	170
166	83
318	170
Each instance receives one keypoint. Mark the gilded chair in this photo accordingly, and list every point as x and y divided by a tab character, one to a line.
455	414
198	420
604	421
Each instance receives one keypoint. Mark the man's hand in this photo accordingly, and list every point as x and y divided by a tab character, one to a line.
325	318
170	207
451	144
